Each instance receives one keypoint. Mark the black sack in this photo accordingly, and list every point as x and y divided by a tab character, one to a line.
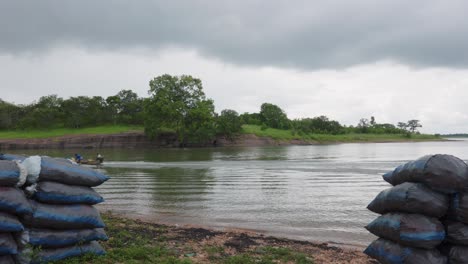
13	200
63	171
388	252
62	217
7	244
58	193
413	198
457	233
10	223
57	254
456	254
9	173
445	173
458	209
412	230
7	259
48	238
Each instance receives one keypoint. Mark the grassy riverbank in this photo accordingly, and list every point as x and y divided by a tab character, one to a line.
276	134
133	241
59	132
279	134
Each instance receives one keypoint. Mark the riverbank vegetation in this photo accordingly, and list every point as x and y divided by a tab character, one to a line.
178	104
133	241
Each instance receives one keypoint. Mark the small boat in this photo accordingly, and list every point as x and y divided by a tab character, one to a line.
89	161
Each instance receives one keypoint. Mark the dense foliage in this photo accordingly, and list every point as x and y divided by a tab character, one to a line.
176	104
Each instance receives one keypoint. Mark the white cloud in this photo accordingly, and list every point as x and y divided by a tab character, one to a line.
389	91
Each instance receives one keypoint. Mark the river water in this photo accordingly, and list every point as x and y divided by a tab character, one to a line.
316	193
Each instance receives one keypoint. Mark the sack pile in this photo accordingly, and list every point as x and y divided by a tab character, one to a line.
13	205
61	221
424	216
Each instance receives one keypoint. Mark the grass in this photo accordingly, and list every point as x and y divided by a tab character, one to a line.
280	134
58	132
136	242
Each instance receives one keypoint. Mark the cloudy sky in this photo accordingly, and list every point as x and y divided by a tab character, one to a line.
395	60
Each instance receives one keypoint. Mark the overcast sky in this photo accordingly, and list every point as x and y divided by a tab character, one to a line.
395	60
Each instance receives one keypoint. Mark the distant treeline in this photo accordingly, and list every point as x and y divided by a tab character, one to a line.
176	104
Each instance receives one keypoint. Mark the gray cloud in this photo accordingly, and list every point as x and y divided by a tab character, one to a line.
300	34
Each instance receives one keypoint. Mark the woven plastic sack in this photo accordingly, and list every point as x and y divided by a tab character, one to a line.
457	232
410	198
62	217
58	193
63	171
12	157
7	259
48	238
7	244
10	223
412	230
13	200
445	173
56	254
10	173
388	252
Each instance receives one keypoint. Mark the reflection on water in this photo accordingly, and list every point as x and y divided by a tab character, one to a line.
303	192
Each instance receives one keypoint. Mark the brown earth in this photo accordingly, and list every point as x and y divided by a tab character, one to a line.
134	140
235	242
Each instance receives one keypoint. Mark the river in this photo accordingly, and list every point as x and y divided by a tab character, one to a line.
316	193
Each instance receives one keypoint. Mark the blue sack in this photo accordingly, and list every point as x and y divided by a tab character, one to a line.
61	170
48	238
63	217
13	200
412	230
12	157
58	193
388	252
444	173
7	244
9	173
413	198
9	223
56	254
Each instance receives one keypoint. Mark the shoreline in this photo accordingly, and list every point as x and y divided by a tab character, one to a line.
195	244
139	140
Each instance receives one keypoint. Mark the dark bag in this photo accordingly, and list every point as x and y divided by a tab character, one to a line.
62	217
9	223
388	252
7	259
412	198
459	207
412	230
61	170
56	254
457	232
9	173
445	173
13	200
48	238
456	254
12	157
7	244
58	193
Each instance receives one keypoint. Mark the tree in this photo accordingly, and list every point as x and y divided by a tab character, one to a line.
372	121
413	125
402	125
229	123
178	103
273	116
363	125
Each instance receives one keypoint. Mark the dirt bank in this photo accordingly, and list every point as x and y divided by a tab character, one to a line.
133	140
200	245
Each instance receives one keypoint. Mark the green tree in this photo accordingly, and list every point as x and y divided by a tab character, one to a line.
413	125
273	116
178	103
229	123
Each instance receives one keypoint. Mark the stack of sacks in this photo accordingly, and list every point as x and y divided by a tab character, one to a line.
414	211
63	222
13	204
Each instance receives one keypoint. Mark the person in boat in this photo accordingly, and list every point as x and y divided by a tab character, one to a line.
99	158
78	158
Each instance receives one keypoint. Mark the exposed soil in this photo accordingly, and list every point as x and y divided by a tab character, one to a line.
194	243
